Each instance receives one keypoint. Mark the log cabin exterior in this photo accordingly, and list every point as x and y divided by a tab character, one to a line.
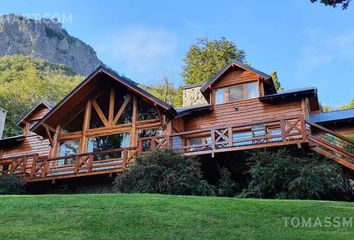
107	120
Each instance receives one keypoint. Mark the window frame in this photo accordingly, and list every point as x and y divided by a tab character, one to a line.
227	92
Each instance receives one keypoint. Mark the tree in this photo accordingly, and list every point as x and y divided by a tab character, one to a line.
348	106
24	81
334	3
167	92
205	58
277	84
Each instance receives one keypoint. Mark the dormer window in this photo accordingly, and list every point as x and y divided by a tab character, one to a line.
238	92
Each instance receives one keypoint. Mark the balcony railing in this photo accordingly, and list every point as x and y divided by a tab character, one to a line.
230	137
204	141
33	168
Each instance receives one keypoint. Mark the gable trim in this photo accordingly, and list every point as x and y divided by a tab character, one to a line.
224	69
127	83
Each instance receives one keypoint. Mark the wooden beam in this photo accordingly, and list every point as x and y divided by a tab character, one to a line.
133	132
49	136
100	113
122	108
54	150
85	126
112	99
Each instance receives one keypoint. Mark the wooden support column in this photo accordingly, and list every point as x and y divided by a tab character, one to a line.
54	150
133	132
112	99
85	127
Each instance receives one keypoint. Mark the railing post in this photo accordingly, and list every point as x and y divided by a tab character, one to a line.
303	128
77	163
153	143
44	168
33	167
213	141
168	142
283	129
230	140
140	146
90	162
125	158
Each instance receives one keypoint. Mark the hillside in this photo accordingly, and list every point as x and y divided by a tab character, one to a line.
45	39
25	80
164	217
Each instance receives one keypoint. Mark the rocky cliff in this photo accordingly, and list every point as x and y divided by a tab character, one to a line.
45	39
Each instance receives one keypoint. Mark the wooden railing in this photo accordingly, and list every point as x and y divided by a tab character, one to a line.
33	167
334	144
17	164
230	137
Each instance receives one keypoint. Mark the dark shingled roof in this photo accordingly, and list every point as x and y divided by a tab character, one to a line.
182	111
10	141
327	117
288	93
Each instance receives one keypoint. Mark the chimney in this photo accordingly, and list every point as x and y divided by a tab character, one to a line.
192	95
2	121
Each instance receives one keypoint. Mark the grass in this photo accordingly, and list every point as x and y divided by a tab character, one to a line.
144	216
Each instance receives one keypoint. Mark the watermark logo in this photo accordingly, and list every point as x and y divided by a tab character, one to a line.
318	222
63	18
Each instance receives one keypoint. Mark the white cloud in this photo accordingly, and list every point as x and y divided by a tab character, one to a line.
139	48
325	48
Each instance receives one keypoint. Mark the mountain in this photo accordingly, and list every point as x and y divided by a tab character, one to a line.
45	39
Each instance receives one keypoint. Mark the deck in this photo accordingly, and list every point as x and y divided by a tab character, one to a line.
279	132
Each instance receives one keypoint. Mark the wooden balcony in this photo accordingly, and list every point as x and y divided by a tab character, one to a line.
231	137
212	140
34	168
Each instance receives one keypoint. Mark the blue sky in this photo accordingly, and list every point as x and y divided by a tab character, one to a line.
307	44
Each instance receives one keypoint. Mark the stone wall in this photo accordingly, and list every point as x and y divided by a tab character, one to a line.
193	96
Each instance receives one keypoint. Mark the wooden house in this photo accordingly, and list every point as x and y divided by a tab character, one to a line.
107	120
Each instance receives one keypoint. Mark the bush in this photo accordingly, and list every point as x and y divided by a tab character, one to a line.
227	187
11	184
281	175
165	172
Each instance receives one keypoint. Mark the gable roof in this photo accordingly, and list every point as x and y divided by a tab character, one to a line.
41	102
227	67
129	84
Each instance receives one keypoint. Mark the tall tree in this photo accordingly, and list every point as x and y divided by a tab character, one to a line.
166	91
334	3
276	81
207	57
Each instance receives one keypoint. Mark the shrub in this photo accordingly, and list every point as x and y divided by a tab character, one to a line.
282	175
227	187
165	172
11	184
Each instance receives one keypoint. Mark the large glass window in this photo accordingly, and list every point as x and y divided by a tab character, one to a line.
146	111
236	93
220	96
148	133
70	147
252	90
108	142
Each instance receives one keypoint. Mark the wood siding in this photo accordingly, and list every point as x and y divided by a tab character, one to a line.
38	114
248	111
30	145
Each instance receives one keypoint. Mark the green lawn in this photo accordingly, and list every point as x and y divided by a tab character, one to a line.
144	216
